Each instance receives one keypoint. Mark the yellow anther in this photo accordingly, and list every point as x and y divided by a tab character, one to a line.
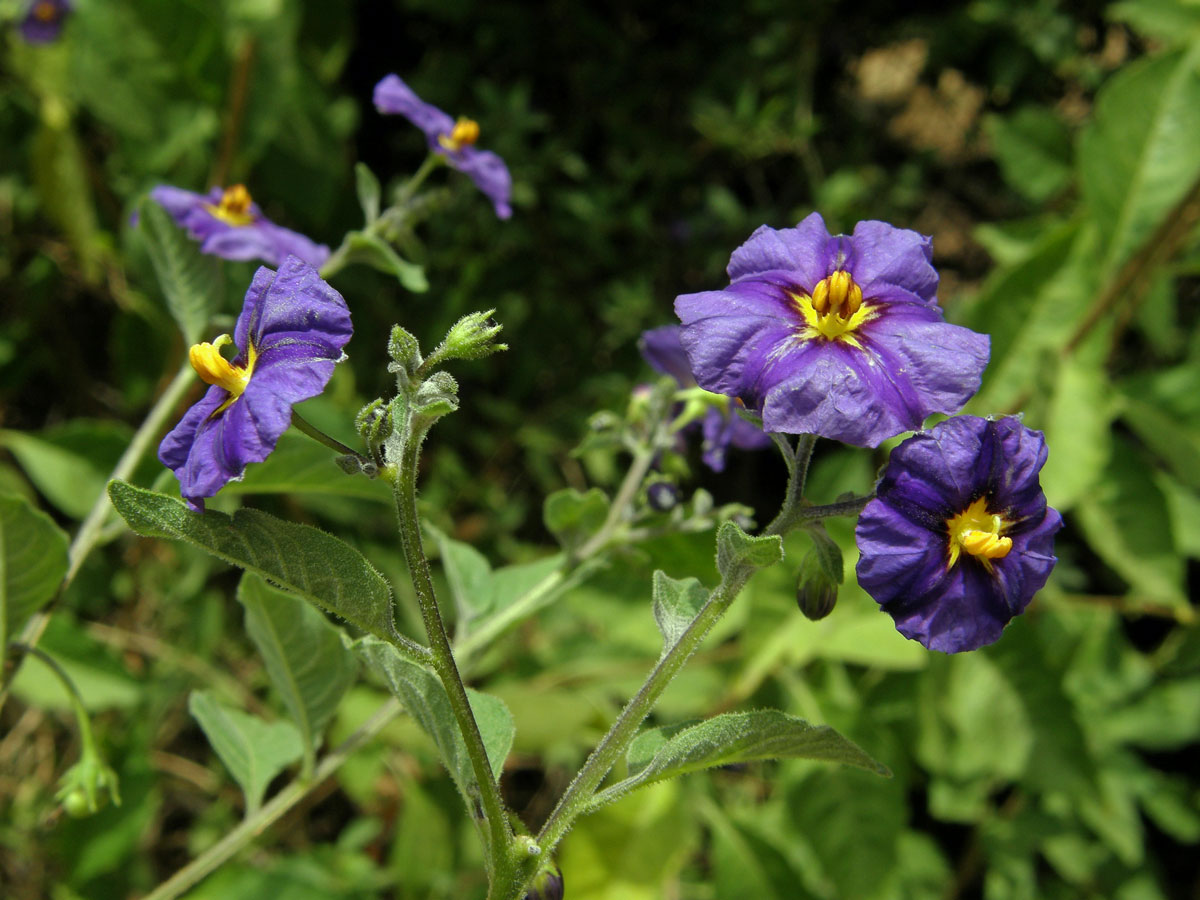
835	309
234	207
978	532
213	368
464	133
45	11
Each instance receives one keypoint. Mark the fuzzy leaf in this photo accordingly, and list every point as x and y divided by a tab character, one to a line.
736	548
676	604
187	277
33	561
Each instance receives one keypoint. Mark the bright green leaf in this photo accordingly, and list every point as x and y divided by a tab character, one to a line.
736	548
187	277
468	573
1033	148
33	561
305	560
69	464
252	750
1077	431
573	517
676	604
367	187
304	654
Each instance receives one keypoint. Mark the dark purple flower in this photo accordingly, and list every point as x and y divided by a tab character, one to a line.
452	140
661	348
959	537
289	337
840	337
230	225
44	20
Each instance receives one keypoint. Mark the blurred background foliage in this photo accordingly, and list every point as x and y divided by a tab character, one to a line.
1051	149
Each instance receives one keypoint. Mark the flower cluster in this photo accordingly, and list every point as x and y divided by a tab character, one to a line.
841	336
229	224
289	337
721	428
452	140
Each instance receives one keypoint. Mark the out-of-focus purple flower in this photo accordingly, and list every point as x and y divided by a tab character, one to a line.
661	348
227	223
289	337
452	140
838	336
44	20
959	537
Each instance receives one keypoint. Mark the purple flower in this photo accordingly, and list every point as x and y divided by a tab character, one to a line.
959	537
661	348
289	337
230	225
44	20
840	337
453	140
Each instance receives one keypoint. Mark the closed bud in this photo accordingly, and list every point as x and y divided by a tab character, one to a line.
662	495
404	351
548	885
819	576
374	423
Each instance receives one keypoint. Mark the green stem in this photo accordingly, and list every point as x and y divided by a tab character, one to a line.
86	739
431	162
270	812
90	531
303	425
498	837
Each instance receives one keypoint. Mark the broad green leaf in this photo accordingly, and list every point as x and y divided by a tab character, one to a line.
302	559
468	573
425	699
510	583
736	548
1175	441
1176	22
1077	431
101	677
1140	155
69	464
573	517
187	278
299	465
1126	522
1033	148
304	654
730	738
746	866
33	561
252	750
676	604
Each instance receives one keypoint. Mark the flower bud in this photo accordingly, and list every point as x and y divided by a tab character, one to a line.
816	593
471	337
548	885
662	495
404	351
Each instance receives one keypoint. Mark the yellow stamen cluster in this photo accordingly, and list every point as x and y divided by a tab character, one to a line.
978	532
213	368
464	134
45	11
835	309
234	207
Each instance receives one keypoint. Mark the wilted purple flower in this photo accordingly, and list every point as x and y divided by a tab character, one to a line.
661	348
230	225
959	537
289	337
453	140
840	337
44	20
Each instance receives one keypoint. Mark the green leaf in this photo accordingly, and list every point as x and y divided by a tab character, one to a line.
661	753
1077	431
1033	149
1126	521
1176	22
304	655
736	548
468	573
573	517
187	278
252	750
302	559
367	187
33	561
1140	154
425	699
1168	437
69	464
676	604
374	251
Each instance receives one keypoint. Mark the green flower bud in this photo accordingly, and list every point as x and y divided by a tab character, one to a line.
816	593
76	804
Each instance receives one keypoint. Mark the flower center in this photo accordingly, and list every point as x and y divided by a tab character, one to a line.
834	310
234	208
213	368
464	133
977	531
45	11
